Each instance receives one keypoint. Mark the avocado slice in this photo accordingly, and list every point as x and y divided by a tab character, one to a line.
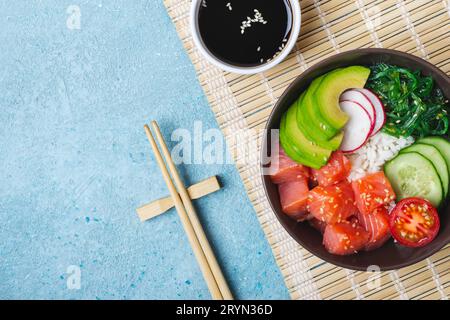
312	124
326	97
306	148
311	121
290	148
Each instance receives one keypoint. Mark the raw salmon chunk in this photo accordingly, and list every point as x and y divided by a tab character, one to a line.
345	238
377	225
372	191
284	169
332	204
336	170
294	198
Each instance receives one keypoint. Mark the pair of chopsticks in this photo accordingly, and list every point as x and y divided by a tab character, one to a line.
209	266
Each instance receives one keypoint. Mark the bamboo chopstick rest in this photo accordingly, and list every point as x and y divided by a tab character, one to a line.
160	206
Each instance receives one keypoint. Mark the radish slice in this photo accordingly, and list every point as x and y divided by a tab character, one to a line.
361	99
379	110
358	128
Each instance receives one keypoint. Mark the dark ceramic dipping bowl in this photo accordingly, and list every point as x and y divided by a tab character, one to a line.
391	255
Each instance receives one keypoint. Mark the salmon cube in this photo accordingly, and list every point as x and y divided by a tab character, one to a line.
294	198
284	169
332	204
336	170
345	238
372	191
377	225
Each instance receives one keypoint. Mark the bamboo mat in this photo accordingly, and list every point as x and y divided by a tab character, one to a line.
419	27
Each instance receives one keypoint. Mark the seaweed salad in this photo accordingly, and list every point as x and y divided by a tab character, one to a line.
414	105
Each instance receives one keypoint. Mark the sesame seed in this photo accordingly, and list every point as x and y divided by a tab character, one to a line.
258	18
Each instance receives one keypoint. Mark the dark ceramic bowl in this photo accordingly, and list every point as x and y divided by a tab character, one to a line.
391	255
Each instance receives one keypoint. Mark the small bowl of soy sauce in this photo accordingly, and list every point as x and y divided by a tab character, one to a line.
245	36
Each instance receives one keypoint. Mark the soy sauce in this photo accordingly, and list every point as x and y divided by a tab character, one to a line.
245	33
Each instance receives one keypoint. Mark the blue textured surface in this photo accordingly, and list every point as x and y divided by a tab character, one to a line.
75	162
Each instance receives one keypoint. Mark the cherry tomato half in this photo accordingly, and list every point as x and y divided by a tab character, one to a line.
414	222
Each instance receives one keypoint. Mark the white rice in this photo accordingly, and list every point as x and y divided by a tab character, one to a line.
375	153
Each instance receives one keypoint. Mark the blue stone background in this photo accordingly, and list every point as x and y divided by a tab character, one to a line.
75	162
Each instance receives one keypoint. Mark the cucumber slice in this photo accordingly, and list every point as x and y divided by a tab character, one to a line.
432	154
413	175
442	145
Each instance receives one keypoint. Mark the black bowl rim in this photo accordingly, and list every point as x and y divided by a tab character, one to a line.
319	65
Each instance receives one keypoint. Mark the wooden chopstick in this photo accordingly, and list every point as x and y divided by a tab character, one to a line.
222	283
192	237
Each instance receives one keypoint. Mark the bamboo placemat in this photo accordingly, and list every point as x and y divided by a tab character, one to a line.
420	27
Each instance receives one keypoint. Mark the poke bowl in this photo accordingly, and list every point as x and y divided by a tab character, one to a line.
358	172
